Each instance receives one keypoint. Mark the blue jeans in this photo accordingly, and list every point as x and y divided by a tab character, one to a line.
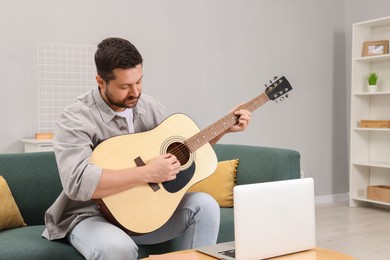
196	218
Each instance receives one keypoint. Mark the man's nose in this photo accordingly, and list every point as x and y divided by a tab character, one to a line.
134	91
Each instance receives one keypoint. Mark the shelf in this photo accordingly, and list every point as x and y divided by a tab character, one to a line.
373	58
371	129
373	164
378	22
372	201
372	93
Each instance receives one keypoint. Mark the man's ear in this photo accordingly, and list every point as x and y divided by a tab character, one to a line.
100	81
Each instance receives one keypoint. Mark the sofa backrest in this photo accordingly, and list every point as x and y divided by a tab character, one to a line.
261	164
34	182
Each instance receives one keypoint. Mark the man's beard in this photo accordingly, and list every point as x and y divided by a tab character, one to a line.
122	104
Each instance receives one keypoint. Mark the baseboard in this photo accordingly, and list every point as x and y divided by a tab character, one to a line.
342	197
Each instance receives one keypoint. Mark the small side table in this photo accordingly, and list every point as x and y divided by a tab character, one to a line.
38	145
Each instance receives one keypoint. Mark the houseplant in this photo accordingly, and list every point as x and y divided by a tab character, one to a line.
372	79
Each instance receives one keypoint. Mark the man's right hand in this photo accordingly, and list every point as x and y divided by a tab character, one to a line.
162	168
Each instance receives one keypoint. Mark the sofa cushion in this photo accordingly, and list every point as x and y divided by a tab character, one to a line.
220	184
28	243
226	225
9	212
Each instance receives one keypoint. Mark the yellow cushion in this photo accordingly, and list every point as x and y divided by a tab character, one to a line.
220	184
10	216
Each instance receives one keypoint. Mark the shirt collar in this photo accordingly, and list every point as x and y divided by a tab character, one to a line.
105	111
108	114
139	109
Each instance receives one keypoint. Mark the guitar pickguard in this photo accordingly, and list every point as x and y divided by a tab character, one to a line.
182	178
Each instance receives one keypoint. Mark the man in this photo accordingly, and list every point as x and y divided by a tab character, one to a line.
116	108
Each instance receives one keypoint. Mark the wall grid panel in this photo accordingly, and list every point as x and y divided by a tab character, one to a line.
65	71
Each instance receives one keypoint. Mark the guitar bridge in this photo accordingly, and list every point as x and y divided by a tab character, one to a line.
139	162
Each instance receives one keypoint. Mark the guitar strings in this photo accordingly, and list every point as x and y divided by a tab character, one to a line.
182	151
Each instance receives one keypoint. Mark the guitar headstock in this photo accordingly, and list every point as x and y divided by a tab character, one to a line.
278	89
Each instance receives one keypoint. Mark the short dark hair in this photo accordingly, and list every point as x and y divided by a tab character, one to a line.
115	53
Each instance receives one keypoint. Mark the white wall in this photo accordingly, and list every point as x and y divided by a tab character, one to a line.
202	58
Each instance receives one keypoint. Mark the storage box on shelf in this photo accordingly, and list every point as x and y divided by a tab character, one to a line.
379	193
369	145
375	123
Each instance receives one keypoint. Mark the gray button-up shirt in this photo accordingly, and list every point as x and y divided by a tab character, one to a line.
81	127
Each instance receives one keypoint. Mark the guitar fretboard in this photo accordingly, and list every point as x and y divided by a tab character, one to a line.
209	133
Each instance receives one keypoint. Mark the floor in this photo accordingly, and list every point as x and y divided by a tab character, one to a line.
362	232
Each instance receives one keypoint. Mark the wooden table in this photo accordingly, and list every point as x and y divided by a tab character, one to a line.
313	254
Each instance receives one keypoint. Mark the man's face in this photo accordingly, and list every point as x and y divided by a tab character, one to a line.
125	90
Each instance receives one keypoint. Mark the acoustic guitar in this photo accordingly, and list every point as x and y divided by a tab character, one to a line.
145	208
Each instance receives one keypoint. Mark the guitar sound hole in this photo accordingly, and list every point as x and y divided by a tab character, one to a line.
181	152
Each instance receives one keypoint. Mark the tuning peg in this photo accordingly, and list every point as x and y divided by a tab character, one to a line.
270	81
266	85
275	77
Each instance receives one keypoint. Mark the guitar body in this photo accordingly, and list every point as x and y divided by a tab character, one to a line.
145	208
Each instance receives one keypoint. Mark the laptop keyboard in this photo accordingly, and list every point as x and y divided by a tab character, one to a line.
230	253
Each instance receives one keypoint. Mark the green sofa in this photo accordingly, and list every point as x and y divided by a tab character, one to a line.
34	182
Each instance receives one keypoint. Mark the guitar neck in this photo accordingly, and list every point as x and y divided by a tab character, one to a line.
209	133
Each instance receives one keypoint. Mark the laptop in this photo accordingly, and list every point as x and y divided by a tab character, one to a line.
270	219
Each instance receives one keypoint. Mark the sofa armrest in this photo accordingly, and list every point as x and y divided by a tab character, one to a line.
34	182
261	164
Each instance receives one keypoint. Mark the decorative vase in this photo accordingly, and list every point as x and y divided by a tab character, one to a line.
371	88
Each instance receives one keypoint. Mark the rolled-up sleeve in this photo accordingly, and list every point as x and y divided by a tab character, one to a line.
73	145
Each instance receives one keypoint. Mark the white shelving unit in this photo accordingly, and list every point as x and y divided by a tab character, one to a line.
369	147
